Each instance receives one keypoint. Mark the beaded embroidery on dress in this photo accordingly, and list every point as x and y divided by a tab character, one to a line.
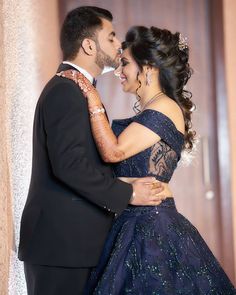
156	250
161	159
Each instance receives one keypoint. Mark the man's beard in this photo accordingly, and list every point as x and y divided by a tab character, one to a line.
104	60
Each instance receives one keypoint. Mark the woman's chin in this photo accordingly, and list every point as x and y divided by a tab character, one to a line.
127	89
124	87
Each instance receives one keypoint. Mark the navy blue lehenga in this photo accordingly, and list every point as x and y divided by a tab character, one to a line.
156	250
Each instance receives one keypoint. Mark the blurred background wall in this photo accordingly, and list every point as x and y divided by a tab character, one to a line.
230	65
29	56
205	190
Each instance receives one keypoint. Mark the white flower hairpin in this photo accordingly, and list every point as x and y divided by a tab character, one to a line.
183	44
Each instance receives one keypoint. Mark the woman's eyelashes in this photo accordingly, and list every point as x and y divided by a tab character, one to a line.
124	62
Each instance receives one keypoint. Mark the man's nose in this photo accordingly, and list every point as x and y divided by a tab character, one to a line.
118	44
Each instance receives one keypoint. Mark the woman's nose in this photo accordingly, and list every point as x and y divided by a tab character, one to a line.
118	71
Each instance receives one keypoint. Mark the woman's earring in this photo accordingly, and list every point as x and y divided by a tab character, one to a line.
148	78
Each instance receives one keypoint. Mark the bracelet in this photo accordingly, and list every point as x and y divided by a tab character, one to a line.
97	111
132	197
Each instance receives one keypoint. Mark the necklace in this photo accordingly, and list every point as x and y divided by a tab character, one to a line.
151	100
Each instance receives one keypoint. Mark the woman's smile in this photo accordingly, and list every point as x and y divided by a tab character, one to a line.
123	79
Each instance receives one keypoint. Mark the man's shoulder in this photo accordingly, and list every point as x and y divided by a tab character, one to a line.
61	83
60	88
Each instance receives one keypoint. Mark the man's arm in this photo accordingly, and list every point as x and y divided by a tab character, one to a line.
65	120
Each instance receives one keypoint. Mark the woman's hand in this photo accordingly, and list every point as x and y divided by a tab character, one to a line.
84	84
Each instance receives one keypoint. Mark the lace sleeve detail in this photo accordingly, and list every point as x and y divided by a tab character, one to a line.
162	126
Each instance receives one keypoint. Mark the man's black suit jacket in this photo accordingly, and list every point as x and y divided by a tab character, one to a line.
73	195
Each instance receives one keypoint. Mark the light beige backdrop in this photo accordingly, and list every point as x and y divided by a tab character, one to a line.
5	181
29	55
230	64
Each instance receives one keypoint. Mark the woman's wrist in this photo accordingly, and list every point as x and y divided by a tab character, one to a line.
93	98
96	111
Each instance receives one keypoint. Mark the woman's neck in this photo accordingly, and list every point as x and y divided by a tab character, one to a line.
149	94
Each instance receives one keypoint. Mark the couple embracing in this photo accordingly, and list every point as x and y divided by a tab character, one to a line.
100	217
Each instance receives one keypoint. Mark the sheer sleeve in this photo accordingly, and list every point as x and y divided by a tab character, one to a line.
162	126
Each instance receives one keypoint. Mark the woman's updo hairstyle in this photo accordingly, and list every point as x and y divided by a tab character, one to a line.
170	54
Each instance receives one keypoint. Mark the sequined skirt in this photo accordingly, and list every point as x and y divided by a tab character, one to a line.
157	251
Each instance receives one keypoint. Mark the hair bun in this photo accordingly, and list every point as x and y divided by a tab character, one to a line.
136	34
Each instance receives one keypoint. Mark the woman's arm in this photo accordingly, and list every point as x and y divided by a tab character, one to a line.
134	139
128	143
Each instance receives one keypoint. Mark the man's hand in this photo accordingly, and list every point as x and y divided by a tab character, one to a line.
147	192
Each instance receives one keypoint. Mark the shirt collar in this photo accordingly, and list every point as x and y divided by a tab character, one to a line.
83	71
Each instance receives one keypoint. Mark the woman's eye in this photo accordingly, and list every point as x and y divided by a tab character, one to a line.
111	40
124	63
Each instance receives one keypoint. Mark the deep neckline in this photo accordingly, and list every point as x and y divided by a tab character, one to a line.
155	111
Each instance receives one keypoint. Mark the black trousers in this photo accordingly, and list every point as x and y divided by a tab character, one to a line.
51	280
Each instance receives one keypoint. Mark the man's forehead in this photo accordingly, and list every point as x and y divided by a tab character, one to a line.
107	26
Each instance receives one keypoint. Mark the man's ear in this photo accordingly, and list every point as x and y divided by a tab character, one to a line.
89	46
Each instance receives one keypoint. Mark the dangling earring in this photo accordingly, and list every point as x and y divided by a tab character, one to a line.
148	78
137	105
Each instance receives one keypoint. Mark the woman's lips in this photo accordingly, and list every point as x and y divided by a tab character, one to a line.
123	79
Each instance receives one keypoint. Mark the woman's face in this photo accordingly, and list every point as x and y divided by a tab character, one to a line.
128	71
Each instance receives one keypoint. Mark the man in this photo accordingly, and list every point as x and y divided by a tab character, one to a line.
72	196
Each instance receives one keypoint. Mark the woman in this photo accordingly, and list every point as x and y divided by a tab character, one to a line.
151	250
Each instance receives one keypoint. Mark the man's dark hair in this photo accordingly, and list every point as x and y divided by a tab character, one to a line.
79	24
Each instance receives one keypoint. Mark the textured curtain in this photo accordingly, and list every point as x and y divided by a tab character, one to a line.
230	46
29	55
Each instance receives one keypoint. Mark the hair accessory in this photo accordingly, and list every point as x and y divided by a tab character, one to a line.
183	44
